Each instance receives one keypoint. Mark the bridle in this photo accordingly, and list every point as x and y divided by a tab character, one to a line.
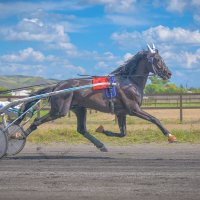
154	68
151	61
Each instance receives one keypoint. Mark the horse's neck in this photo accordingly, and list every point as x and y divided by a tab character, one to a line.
140	76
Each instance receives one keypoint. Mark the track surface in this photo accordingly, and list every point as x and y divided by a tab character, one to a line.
81	172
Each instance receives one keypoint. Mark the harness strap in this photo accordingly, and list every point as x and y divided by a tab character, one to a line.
111	103
151	60
111	93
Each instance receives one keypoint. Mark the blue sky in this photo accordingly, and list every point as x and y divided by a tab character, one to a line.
61	38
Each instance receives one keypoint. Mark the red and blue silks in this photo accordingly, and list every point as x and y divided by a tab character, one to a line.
110	91
100	80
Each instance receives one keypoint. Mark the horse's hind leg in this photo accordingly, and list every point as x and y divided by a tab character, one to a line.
81	128
39	121
59	108
122	126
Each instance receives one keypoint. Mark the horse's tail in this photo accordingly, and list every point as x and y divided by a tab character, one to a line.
29	104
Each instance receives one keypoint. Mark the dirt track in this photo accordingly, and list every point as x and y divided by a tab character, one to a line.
81	172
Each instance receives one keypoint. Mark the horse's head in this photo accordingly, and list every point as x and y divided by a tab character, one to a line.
157	64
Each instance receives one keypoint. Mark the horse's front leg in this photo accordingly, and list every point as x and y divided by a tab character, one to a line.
146	116
122	127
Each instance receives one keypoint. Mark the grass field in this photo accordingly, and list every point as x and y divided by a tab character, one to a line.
139	131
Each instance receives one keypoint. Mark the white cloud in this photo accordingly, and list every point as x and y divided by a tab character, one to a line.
18	7
74	70
34	20
115	6
159	34
22	69
182	59
180	6
26	55
106	56
128	56
107	62
191	59
123	59
101	66
35	63
176	35
66	46
174	44
34	29
105	66
128	40
120	6
176	5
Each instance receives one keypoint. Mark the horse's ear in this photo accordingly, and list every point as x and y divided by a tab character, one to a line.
151	50
154	48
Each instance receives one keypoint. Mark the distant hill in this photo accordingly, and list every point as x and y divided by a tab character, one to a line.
12	82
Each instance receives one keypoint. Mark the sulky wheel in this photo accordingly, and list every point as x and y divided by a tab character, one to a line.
16	140
3	143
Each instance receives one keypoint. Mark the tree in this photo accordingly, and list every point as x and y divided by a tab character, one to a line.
160	86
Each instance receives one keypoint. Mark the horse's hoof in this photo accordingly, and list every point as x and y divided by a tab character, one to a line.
172	139
100	129
103	149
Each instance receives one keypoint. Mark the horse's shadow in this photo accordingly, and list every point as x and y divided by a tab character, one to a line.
56	157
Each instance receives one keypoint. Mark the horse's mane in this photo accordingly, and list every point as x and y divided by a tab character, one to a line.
130	66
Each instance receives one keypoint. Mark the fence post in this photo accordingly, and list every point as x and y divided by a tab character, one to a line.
181	108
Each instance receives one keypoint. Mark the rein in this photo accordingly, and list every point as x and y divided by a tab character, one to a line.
139	75
144	75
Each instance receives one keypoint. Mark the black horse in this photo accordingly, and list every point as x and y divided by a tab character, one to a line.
131	78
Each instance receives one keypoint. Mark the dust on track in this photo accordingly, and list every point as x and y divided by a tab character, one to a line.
142	171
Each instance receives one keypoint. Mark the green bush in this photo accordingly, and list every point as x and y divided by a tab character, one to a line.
159	86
